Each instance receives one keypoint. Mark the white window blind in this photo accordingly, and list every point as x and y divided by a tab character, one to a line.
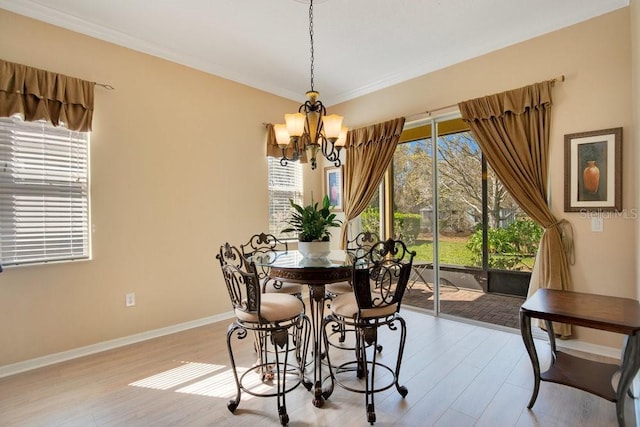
44	209
285	182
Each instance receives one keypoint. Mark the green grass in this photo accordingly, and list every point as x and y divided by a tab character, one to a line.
453	253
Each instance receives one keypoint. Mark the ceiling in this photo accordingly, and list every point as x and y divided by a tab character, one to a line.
360	45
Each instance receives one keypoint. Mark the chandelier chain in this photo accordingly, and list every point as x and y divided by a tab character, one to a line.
305	130
311	38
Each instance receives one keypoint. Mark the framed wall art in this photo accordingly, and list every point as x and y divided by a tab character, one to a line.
593	171
333	187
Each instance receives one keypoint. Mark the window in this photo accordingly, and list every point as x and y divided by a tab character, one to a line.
44	193
285	182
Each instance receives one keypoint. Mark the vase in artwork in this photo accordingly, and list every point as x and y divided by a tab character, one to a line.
591	177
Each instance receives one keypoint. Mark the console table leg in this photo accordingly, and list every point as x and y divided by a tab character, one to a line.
624	346
525	329
552	338
630	365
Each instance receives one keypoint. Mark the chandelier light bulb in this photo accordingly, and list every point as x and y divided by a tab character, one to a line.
332	124
295	123
342	139
282	135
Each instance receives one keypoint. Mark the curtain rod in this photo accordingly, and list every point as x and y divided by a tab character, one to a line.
104	85
560	79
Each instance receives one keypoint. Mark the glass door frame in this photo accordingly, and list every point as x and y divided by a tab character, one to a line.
435	121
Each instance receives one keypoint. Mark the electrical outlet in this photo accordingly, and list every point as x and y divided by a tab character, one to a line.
130	299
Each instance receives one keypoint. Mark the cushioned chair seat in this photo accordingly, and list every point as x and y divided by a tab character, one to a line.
346	306
274	308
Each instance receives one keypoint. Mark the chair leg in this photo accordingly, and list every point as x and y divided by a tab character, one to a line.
370	373
325	338
241	332
265	369
303	334
403	338
361	362
342	332
280	343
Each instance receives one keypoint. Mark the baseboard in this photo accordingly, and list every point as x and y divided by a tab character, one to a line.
586	347
571	344
39	362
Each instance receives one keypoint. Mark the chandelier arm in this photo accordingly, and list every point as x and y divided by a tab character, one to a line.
294	157
309	106
332	155
284	160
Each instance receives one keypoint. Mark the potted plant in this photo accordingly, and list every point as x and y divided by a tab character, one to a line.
312	224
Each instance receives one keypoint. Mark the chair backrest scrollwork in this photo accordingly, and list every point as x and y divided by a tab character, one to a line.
241	278
381	275
361	244
264	245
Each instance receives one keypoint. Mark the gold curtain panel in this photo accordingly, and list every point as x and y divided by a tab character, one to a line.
370	150
512	129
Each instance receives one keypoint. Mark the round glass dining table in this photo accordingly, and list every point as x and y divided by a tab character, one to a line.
291	266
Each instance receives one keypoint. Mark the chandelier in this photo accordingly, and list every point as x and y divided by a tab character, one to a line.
311	129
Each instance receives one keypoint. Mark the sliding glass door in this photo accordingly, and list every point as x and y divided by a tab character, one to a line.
460	211
474	245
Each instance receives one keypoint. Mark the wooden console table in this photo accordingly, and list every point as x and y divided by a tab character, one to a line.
620	315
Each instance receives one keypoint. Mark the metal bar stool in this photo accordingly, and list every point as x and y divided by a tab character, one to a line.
273	318
379	281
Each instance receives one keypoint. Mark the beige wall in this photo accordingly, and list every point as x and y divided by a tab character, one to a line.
165	192
595	57
173	175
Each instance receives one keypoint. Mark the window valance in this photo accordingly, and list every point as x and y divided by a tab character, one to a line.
43	95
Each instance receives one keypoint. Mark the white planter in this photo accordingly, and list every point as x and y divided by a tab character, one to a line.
314	250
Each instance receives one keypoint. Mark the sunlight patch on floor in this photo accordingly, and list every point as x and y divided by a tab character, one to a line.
221	385
176	376
224	385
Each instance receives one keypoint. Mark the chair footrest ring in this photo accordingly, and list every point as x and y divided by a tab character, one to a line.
292	374
352	367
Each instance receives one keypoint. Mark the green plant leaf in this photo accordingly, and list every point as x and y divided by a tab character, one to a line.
310	222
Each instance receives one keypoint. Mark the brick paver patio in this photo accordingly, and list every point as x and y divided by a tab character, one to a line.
467	303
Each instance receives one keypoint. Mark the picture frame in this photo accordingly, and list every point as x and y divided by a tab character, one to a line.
593	171
333	187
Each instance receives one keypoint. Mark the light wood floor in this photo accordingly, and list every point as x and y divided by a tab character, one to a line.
457	374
